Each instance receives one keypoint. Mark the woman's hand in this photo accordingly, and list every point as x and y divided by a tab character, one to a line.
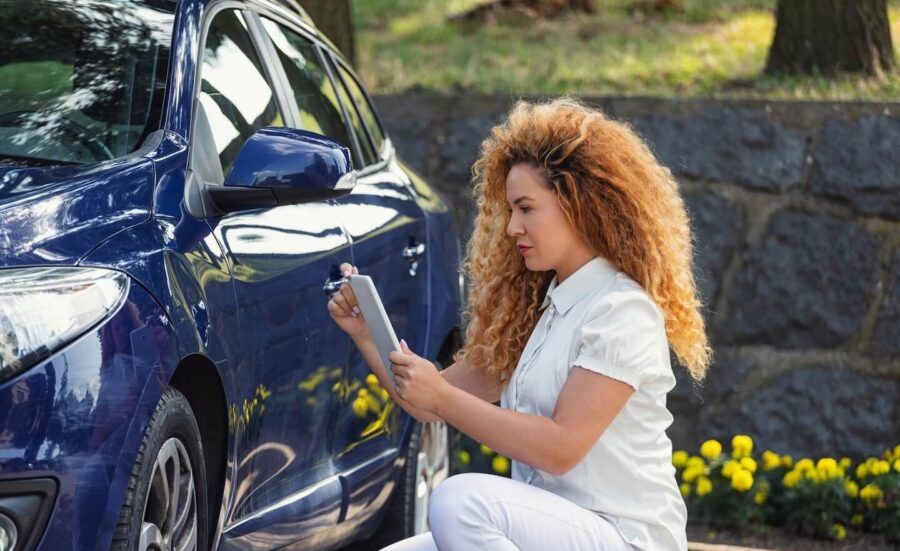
416	379
344	309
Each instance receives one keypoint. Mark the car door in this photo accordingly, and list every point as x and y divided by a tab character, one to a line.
388	230
291	353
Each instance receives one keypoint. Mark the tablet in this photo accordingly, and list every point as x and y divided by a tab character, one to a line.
376	318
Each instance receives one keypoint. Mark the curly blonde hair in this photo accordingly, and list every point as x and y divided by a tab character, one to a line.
614	192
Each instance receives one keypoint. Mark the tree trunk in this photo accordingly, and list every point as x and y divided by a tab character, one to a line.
335	19
828	36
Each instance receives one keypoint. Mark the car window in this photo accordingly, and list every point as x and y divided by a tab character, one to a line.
368	151
365	108
234	92
80	82
316	98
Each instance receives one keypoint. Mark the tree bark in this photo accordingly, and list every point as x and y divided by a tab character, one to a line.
335	19
829	36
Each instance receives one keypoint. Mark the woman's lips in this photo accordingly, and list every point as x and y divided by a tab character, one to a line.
523	249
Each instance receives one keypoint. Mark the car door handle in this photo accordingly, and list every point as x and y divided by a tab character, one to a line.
334	281
411	254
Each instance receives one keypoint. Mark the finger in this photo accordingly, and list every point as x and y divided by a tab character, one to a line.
405	347
341	307
346	268
348	294
335	310
397	358
339	299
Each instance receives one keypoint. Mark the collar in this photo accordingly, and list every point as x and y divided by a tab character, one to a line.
591	276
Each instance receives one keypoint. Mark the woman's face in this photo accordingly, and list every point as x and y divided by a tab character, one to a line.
538	223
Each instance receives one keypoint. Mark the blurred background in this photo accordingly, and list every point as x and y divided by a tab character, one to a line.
780	120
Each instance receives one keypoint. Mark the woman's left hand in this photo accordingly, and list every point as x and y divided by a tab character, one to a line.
417	379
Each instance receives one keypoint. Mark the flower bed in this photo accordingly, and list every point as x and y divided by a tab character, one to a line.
822	498
825	498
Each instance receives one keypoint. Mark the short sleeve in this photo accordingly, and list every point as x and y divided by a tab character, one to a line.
622	336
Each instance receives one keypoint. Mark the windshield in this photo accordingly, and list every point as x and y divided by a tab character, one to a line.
80	81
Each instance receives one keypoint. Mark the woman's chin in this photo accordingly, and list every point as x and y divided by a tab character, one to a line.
533	264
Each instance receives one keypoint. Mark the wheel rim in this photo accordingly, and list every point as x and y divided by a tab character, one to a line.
432	466
170	510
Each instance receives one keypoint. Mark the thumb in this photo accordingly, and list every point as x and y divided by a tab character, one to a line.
405	347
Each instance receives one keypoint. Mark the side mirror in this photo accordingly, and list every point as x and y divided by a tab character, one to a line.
285	166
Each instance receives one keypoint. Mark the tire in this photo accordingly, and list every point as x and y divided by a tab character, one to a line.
172	440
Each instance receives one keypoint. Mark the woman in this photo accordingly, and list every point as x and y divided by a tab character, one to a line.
580	271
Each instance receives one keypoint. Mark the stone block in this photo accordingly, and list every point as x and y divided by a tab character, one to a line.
806	285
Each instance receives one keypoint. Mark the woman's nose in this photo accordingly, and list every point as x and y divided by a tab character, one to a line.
513	229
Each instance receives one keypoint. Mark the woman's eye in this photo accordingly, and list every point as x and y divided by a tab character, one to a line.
526	209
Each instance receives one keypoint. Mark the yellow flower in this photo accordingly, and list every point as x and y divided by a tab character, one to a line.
897	465
704	486
360	407
897	451
679	458
464	457
870	492
771	460
691	473
742	480
685	489
695	461
759	498
741	445
829	468
500	464
845	463
787	461
857	520
852	488
791	478
711	449
486	450
729	467
813	475
748	463
862	471
880	467
804	465
371	379
839	532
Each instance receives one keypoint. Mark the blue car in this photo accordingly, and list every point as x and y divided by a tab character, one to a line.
179	182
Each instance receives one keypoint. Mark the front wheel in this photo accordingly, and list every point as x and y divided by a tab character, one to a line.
165	503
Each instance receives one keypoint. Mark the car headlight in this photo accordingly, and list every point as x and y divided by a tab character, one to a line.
43	309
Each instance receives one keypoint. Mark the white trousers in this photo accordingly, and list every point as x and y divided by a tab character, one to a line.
483	511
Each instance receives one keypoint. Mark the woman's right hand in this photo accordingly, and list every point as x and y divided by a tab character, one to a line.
344	309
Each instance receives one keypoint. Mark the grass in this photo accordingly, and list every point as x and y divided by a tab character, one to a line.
714	48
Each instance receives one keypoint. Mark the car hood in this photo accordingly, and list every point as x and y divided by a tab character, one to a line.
57	215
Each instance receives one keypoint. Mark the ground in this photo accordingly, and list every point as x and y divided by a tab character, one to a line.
714	48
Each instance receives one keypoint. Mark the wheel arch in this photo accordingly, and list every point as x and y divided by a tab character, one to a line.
198	380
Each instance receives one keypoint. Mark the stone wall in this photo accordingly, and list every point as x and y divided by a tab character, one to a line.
796	214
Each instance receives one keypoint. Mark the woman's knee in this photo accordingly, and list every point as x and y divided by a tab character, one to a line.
460	494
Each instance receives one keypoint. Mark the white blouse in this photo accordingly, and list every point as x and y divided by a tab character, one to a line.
602	320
